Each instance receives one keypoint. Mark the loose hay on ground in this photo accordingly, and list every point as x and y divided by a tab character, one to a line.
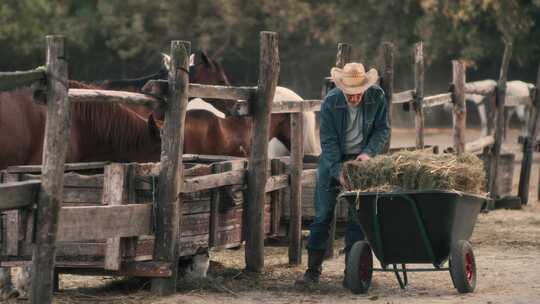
417	170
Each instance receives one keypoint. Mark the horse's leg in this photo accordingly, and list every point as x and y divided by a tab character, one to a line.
6	286
507	117
483	119
522	113
22	281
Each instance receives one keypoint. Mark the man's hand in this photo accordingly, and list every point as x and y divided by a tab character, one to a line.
344	182
363	157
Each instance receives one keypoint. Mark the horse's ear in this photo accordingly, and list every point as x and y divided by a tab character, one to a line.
202	57
154	127
166	61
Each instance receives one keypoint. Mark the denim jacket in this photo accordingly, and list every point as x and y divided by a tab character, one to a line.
375	128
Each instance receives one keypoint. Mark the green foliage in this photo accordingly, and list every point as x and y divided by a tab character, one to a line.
109	38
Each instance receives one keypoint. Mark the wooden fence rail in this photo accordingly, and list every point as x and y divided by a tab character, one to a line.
13	80
16	195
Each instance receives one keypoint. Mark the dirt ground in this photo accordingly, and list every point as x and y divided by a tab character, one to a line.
506	244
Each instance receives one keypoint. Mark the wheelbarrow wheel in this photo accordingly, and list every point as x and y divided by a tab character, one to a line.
359	267
463	267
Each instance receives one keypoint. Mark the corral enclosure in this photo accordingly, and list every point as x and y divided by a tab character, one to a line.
135	184
214	191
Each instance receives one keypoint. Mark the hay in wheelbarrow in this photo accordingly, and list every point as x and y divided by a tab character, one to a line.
417	170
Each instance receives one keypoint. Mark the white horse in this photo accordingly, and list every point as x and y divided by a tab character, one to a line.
513	88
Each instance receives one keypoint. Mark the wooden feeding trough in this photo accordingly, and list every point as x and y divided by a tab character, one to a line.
212	215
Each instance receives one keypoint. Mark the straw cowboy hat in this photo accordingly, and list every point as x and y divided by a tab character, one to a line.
353	79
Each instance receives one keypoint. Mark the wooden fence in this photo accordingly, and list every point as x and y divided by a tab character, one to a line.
51	218
162	218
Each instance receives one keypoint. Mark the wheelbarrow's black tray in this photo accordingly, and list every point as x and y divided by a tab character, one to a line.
415	226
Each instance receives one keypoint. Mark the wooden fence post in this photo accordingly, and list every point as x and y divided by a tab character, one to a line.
388	83
344	56
460	112
168	205
297	158
116	191
276	197
57	130
257	167
529	145
419	94
499	127
215	202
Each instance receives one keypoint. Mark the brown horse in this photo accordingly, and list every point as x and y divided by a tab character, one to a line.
99	131
202	70
206	133
209	132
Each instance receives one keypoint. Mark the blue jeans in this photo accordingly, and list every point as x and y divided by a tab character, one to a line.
325	203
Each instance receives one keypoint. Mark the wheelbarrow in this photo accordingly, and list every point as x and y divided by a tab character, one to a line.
413	227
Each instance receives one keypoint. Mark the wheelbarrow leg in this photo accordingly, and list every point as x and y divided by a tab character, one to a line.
402	282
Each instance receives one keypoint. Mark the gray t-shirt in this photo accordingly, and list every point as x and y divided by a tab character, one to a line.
353	131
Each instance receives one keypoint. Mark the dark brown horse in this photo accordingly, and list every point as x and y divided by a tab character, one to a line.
202	70
99	131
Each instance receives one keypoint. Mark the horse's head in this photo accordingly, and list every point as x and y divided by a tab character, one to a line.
205	70
202	69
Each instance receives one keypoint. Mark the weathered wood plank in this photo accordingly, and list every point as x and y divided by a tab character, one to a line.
15	195
114	194
103	222
296	168
215	202
222	92
459	117
201	158
499	127
12	80
72	179
309	176
403	97
54	153
169	203
161	87
276	182
480	143
436	100
198	170
257	170
387	83
106	96
67	167
275	196
532	133
417	103
296	106
12	224
206	182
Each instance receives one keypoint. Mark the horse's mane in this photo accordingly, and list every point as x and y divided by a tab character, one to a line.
75	84
112	123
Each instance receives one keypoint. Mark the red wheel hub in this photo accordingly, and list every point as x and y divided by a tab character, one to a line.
469	266
365	265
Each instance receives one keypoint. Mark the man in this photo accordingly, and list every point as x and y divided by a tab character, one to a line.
354	125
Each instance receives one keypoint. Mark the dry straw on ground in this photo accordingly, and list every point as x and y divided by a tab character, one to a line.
417	170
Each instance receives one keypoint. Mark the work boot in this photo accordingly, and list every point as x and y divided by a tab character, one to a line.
344	283
312	274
